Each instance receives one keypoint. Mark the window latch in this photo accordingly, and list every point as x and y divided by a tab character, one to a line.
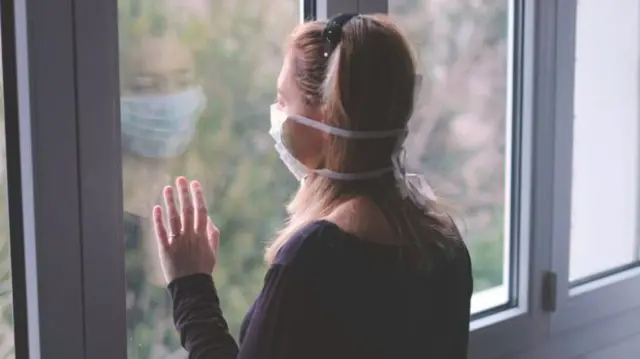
549	291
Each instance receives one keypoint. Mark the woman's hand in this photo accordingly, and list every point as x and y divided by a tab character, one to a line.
190	243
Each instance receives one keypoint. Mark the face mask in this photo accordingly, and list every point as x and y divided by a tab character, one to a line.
277	131
160	126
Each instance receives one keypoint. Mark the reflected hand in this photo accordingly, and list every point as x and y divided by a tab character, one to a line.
190	244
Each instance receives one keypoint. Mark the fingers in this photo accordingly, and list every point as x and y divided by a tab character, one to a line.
213	235
158	225
172	211
193	209
200	207
186	205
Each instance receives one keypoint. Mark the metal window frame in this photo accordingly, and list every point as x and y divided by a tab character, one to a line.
44	201
603	298
14	185
309	10
532	74
63	177
100	173
373	6
327	8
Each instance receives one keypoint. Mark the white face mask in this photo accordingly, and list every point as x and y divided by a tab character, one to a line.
160	126
299	170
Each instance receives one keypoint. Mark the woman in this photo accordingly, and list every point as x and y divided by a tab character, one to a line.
367	266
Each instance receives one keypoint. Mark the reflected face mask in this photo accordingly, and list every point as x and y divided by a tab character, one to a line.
299	170
163	125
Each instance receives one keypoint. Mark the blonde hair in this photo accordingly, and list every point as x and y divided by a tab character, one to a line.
366	84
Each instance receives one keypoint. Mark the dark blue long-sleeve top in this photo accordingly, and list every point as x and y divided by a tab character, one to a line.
330	294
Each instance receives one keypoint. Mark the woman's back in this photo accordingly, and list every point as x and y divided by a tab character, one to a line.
339	296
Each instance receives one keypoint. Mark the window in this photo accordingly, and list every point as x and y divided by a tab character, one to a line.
197	79
461	133
6	297
538	160
606	140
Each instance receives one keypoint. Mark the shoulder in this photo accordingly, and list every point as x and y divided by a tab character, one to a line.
449	259
312	241
454	251
459	266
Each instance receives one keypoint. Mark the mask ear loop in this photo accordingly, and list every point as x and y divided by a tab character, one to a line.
411	185
399	171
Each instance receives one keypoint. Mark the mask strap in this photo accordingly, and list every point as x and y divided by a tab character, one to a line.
346	133
352	176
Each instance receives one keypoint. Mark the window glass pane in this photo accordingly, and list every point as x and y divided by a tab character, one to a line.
606	128
6	294
459	130
197	80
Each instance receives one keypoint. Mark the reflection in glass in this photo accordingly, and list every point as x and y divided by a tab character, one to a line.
197	81
459	130
161	100
606	146
6	294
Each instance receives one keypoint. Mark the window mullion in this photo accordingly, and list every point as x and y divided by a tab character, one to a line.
100	171
327	8
373	6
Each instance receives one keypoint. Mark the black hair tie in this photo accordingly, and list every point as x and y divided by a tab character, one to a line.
332	32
